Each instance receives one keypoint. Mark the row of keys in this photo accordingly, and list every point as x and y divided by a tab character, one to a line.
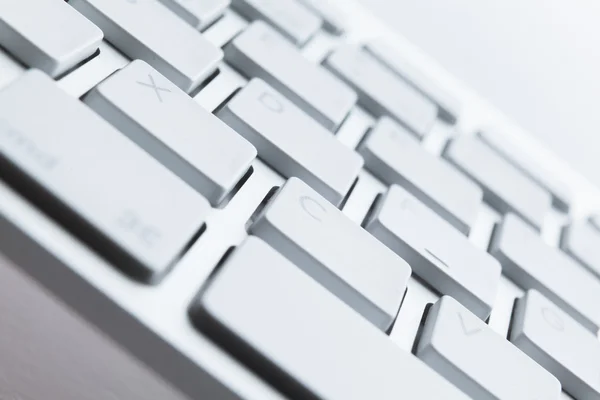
458	346
237	307
438	254
184	167
452	341
483	364
144	130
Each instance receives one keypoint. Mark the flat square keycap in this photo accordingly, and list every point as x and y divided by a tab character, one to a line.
168	124
521	159
289	17
449	105
335	251
438	254
301	339
581	240
483	364
505	187
532	264
291	142
558	343
47	34
198	13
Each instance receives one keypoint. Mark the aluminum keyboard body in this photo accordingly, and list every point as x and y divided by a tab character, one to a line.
159	314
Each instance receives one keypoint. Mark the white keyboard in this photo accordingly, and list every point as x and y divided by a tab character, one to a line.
267	199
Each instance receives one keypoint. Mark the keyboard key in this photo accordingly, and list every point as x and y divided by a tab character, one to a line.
505	188
481	363
291	142
335	251
393	155
380	91
521	159
582	242
47	34
532	264
167	123
290	18
449	106
198	13
263	53
149	31
558	343
334	20
89	177
301	339
595	221
440	255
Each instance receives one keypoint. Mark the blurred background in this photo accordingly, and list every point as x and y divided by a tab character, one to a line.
537	60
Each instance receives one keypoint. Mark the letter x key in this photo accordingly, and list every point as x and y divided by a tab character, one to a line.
157	89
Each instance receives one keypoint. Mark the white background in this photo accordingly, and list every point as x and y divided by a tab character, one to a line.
537	60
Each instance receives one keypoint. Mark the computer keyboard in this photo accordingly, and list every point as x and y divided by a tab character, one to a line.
268	199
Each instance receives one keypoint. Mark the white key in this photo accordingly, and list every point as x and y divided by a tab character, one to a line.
504	186
167	123
93	180
334	20
449	106
521	159
380	91
263	53
532	264
581	240
335	251
439	254
481	363
558	343
595	221
393	155
301	339
198	13
291	142
47	34
290	18
151	32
